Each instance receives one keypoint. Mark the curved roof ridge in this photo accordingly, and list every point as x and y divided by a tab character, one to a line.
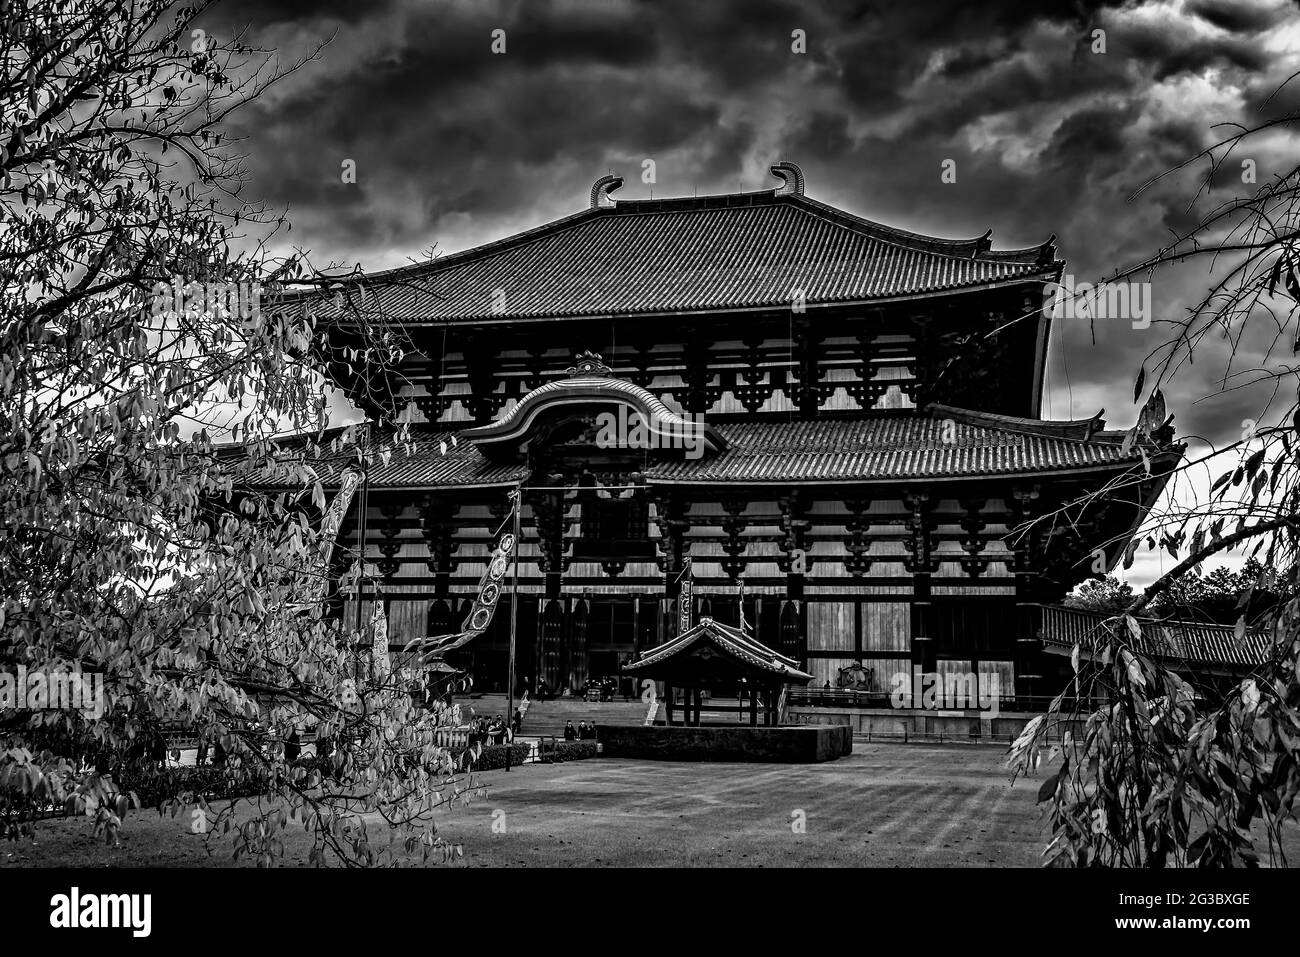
751	642
671	204
975	247
1079	430
587	383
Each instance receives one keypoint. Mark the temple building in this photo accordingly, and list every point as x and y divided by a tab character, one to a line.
841	416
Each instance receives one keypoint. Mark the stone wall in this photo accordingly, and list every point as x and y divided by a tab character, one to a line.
920	724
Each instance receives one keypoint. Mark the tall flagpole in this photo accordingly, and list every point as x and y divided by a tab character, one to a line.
361	557
514	623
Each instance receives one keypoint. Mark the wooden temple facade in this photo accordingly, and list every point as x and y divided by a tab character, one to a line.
866	404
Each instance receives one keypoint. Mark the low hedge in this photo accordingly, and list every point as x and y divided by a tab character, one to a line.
493	756
213	783
218	782
569	751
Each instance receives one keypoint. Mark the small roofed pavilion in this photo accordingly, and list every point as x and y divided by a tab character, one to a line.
713	655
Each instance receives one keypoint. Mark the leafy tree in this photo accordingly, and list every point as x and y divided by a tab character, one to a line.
1157	776
132	544
1221	596
1106	595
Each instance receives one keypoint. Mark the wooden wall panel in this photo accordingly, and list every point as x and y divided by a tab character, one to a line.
831	626
963	694
1006	672
886	626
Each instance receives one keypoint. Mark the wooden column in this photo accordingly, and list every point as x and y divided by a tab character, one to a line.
480	371
548	517
438	527
805	349
734	525
793	559
921	563
1026	544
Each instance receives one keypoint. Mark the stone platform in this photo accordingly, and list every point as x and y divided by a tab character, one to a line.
785	745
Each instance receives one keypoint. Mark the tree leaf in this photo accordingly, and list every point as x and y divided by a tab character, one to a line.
1048	787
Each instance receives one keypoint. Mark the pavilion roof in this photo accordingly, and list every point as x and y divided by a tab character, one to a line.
710	253
712	646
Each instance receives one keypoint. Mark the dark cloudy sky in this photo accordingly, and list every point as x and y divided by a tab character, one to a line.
455	145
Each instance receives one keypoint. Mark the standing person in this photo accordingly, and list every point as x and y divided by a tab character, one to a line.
569	733
582	731
591	730
517	721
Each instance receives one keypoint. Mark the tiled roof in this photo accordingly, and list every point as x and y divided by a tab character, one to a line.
732	642
421	465
881	446
1188	641
888	446
714	253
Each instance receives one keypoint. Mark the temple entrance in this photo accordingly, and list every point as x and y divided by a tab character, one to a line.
563	643
615	632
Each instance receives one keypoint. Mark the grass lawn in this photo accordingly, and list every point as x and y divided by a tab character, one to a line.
886	805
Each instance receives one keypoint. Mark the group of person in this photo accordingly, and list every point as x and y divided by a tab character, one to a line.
583	732
495	730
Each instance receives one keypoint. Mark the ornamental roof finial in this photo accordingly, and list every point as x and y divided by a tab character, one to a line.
588	363
601	189
791	177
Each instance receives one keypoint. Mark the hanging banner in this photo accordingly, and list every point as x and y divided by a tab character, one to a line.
379	631
685	601
485	603
318	578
